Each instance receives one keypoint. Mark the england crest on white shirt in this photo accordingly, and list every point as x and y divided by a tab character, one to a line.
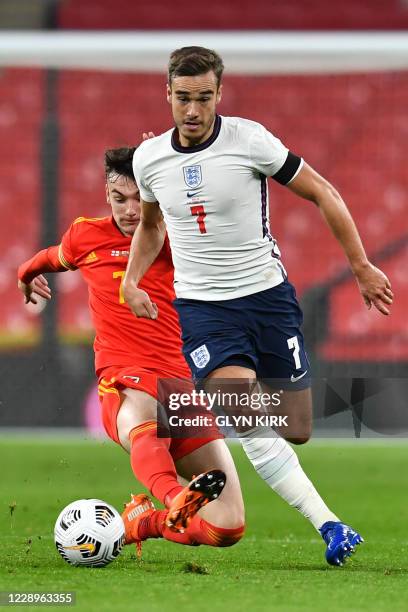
200	356
192	176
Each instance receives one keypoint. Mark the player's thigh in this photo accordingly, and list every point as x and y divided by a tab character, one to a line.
228	510
233	385
136	408
218	337
283	362
229	382
230	371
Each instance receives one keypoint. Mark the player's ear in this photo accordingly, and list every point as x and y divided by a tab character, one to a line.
168	93
219	94
107	193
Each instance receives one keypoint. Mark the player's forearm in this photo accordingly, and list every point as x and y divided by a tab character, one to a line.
46	260
147	243
340	221
310	185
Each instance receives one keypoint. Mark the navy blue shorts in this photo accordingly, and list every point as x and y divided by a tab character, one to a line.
261	331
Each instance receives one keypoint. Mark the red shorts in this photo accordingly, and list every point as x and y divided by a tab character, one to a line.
113	379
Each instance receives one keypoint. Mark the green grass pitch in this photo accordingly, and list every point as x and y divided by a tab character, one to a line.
279	565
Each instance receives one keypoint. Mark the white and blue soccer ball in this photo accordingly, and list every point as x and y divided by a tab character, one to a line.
89	532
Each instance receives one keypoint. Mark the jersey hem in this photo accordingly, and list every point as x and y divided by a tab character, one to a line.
231	295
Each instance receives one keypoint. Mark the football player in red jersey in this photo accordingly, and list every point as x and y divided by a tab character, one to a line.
131	355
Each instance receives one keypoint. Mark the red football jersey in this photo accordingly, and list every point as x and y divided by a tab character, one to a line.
99	249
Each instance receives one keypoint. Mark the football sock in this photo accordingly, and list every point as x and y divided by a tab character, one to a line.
152	463
198	532
278	465
203	532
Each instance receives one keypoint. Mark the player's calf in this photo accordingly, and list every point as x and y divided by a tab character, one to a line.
204	488
227	511
295	412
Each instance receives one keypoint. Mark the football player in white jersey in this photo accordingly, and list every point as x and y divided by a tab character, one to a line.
205	181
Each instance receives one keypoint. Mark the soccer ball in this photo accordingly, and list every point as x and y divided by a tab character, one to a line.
89	532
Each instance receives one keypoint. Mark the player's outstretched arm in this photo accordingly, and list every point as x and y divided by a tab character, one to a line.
147	243
373	284
31	281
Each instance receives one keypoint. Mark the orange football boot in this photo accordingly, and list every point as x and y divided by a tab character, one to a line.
202	489
139	507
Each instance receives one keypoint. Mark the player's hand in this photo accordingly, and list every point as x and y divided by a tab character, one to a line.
375	288
38	286
139	302
148	135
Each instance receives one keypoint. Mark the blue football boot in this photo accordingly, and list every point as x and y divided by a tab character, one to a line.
341	541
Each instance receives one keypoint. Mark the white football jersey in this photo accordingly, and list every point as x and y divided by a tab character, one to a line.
214	200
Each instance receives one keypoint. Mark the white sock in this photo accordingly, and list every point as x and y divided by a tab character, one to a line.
278	465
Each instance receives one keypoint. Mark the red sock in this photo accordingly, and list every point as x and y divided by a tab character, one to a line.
198	532
154	526
152	463
202	532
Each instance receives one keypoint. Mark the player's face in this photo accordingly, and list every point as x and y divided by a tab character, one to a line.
193	102
123	196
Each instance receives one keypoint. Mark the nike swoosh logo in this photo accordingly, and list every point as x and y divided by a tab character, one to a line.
135	379
192	194
295	378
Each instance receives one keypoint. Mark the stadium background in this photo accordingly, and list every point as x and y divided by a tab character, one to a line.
352	127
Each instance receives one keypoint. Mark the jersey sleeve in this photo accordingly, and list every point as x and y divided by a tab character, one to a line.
46	260
68	250
58	258
138	170
271	158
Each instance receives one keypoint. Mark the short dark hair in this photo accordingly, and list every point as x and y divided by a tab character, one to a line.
191	61
119	162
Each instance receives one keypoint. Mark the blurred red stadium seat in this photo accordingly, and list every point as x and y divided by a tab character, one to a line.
21	108
213	15
358	333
